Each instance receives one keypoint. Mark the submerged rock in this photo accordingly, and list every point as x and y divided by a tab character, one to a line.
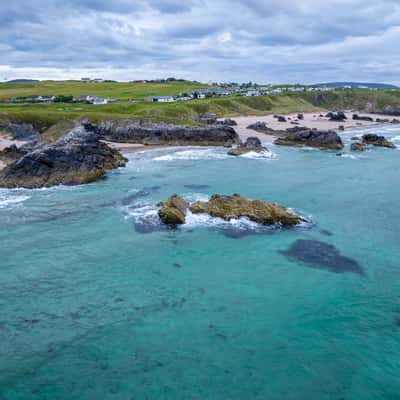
252	144
312	138
131	131
173	211
233	207
316	254
377	140
357	146
77	157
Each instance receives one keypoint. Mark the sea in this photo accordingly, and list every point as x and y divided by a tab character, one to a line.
98	300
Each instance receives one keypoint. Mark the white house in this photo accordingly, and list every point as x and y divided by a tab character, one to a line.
161	99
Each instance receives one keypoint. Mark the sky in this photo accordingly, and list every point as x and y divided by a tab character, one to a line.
265	41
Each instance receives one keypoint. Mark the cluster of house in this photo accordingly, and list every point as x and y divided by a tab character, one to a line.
87	98
235	91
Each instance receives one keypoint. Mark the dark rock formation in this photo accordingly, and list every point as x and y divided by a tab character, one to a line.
172	211
339	116
281	118
382	120
131	131
377	140
206	118
259	127
312	138
341	128
357	146
251	144
77	157
391	110
11	154
395	121
357	117
233	207
21	131
320	255
227	122
295	129
300	116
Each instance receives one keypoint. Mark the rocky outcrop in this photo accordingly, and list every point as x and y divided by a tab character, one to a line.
77	157
21	131
391	110
233	207
206	118
357	117
11	154
173	211
252	144
131	131
312	138
377	140
357	146
338	116
227	122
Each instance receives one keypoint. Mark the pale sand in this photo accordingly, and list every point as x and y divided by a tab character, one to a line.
134	147
311	120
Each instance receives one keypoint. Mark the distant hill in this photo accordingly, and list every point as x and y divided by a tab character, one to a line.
358	85
23	81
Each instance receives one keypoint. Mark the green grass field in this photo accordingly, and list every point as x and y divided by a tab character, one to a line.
131	105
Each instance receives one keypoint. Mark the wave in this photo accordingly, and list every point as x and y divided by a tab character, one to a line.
10	199
264	154
396	138
194	154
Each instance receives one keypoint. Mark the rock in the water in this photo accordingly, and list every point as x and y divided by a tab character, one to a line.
382	120
131	131
173	211
233	207
312	138
300	116
377	140
357	146
252	144
316	254
77	157
339	116
357	117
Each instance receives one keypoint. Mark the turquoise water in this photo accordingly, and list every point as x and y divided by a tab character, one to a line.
98	302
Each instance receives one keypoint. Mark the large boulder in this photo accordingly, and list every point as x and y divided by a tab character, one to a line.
377	140
311	138
77	157
252	144
357	146
357	117
173	211
160	133
227	122
338	116
233	207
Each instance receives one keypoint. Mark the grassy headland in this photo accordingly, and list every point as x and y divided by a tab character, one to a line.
130	102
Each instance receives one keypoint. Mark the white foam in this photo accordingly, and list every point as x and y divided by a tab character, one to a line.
264	154
396	138
194	154
11	200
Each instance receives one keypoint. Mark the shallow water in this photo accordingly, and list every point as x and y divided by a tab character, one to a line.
98	301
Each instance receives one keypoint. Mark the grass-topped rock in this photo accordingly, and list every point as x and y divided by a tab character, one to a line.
173	210
236	206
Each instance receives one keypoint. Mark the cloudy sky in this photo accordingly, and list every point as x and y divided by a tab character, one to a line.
260	40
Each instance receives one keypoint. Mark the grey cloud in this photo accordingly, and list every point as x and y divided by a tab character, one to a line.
264	40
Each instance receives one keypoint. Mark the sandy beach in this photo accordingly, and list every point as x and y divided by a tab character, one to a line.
311	120
133	147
